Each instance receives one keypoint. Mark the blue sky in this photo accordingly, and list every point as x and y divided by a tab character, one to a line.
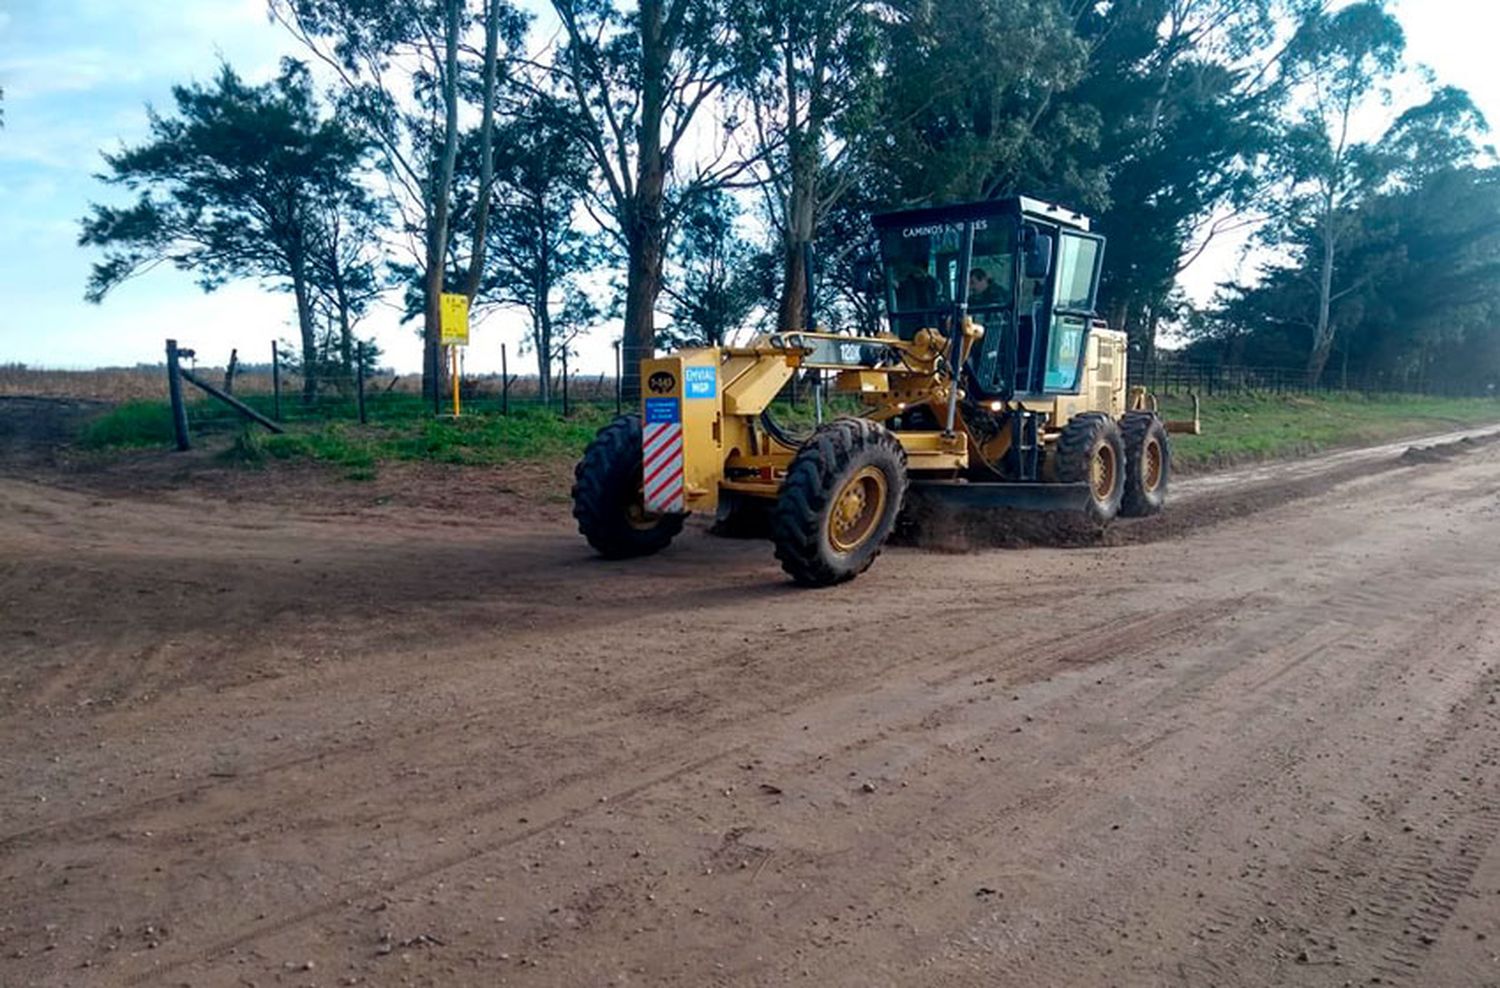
77	75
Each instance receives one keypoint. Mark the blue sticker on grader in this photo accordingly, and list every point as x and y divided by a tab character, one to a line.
660	410
700	382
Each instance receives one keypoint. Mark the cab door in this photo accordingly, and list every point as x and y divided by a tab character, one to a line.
1075	287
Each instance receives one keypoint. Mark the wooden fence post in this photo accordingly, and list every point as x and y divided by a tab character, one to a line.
565	381
229	400
174	391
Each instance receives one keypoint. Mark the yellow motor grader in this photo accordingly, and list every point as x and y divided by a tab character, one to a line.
995	386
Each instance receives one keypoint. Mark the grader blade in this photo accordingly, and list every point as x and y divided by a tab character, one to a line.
1018	497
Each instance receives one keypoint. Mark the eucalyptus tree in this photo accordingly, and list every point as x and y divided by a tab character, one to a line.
540	252
651	87
712	288
813	83
240	181
1338	62
406	68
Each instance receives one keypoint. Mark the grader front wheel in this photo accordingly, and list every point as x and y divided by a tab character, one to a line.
607	498
1090	450
839	502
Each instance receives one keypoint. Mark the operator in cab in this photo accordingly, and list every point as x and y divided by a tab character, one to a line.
982	289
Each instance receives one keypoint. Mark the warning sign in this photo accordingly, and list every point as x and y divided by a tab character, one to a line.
455	310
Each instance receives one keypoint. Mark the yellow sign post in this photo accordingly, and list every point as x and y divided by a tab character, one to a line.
455	333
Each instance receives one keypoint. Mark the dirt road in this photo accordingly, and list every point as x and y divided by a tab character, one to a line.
284	740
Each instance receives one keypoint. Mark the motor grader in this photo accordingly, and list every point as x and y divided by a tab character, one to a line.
996	386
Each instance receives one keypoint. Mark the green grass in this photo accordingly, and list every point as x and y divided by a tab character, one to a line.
1247	428
480	439
1236	430
133	424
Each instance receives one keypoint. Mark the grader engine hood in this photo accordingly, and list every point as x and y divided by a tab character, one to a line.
682	453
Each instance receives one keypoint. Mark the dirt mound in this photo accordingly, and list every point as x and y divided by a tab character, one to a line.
1442	452
937	526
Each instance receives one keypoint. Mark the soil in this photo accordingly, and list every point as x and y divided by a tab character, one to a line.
277	728
36	429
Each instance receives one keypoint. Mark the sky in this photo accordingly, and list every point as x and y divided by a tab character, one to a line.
78	75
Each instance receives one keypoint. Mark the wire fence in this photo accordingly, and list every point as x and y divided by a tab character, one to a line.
275	393
1172	377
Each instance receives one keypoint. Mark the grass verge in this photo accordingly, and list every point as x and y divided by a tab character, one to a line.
132	424
1249	428
524	434
1236	430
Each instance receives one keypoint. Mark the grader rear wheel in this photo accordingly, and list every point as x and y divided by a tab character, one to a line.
607	499
1090	450
1148	464
839	502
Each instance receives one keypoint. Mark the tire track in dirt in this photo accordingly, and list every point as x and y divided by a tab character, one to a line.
1221	693
404	733
1404	900
1096	644
1300	639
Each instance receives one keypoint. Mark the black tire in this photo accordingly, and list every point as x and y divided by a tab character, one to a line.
1148	464
607	498
853	462
1091	439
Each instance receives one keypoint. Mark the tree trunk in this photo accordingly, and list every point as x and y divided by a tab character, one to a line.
437	220
642	287
800	223
432	364
309	335
491	70
542	329
644	220
801	205
346	328
1323	332
1148	338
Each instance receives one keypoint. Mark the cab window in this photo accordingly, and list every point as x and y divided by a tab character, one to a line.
1077	258
922	271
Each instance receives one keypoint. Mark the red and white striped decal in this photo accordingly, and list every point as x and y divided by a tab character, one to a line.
662	444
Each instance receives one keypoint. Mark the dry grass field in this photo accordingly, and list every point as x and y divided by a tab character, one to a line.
147	382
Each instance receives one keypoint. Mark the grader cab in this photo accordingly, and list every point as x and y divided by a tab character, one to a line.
996	386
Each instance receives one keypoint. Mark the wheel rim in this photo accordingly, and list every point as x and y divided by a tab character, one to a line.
1102	471
857	509
636	515
1151	465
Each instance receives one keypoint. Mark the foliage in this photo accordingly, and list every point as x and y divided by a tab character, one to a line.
243	182
713	287
405	71
640	80
1382	245
811	78
1423	296
640	140
1337	60
538	251
959	120
131	424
